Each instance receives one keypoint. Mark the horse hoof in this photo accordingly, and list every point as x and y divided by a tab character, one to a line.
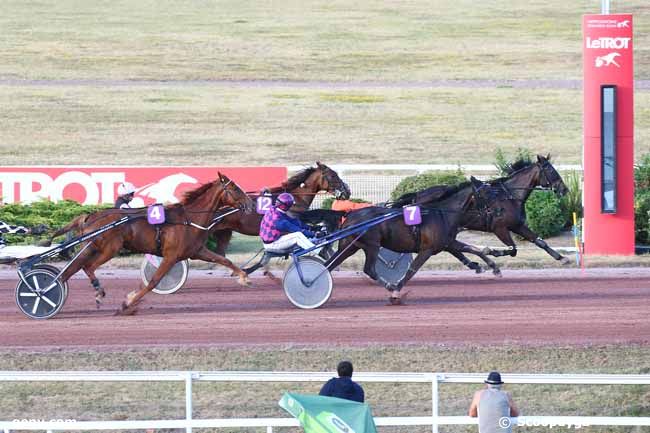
497	272
394	301
478	270
125	310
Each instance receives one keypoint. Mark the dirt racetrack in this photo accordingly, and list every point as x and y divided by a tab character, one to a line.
550	306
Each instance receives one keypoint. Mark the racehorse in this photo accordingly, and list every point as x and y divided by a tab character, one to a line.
182	235
437	232
304	186
499	207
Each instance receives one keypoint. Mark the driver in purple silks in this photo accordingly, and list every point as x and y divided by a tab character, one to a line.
280	232
343	386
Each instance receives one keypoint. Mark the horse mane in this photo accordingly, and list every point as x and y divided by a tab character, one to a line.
445	191
295	181
519	164
190	196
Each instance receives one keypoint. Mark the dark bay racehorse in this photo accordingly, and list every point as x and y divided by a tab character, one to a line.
499	207
437	232
304	186
181	237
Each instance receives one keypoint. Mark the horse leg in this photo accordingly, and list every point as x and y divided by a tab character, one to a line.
222	238
99	258
420	259
531	236
504	236
133	298
208	256
465	261
462	247
85	261
372	254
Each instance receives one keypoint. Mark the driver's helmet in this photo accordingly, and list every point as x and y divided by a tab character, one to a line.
125	188
284	201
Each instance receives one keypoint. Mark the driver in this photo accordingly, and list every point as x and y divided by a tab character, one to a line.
125	193
280	232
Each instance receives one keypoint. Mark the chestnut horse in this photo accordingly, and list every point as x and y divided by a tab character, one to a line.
304	186
182	235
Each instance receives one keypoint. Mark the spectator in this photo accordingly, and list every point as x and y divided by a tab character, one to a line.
343	386
493	406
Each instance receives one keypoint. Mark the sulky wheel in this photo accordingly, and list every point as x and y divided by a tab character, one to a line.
171	282
44	296
391	266
314	290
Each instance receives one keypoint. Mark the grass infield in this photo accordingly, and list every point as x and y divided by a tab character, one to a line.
122	401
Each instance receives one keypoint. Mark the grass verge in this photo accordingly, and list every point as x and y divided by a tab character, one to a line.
86	401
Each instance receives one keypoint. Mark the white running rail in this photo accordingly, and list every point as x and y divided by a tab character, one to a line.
435	379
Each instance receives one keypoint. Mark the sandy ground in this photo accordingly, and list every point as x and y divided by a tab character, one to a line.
554	307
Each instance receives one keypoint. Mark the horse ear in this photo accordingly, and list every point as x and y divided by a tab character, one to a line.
540	158
548	156
318	164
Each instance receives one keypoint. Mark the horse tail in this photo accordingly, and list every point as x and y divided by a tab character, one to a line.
76	224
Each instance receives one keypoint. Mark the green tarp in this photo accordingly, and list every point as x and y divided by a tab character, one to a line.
319	414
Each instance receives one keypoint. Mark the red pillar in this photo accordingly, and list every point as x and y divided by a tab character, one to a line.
608	60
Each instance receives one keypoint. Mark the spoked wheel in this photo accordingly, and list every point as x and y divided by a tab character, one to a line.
316	288
173	280
391	266
44	296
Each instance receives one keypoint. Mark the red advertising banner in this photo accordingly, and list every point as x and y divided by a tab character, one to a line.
608	61
94	185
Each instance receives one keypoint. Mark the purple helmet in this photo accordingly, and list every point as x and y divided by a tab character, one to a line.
284	201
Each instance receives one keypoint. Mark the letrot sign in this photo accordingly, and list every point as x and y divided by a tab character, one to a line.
94	185
608	134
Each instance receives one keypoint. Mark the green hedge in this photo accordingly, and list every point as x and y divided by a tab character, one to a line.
642	200
52	214
544	213
427	180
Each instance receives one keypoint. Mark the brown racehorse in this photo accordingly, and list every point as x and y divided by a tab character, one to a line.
437	232
181	237
304	186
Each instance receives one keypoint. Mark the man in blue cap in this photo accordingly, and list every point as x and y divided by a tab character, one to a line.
343	386
493	406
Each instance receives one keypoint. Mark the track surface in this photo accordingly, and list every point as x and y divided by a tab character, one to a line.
451	308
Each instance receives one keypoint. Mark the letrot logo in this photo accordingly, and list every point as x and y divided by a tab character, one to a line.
162	191
607	60
609	43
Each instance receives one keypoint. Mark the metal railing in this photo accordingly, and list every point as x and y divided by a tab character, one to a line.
375	182
435	379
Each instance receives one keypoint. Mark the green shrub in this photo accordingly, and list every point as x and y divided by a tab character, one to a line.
642	200
572	201
642	216
52	214
427	180
502	162
544	213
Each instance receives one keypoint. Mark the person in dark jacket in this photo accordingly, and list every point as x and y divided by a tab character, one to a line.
343	386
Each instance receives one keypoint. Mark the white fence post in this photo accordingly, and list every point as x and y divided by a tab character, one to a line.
188	401
434	403
269	429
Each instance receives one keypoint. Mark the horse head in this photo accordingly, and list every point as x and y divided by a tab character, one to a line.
234	196
549	177
329	180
